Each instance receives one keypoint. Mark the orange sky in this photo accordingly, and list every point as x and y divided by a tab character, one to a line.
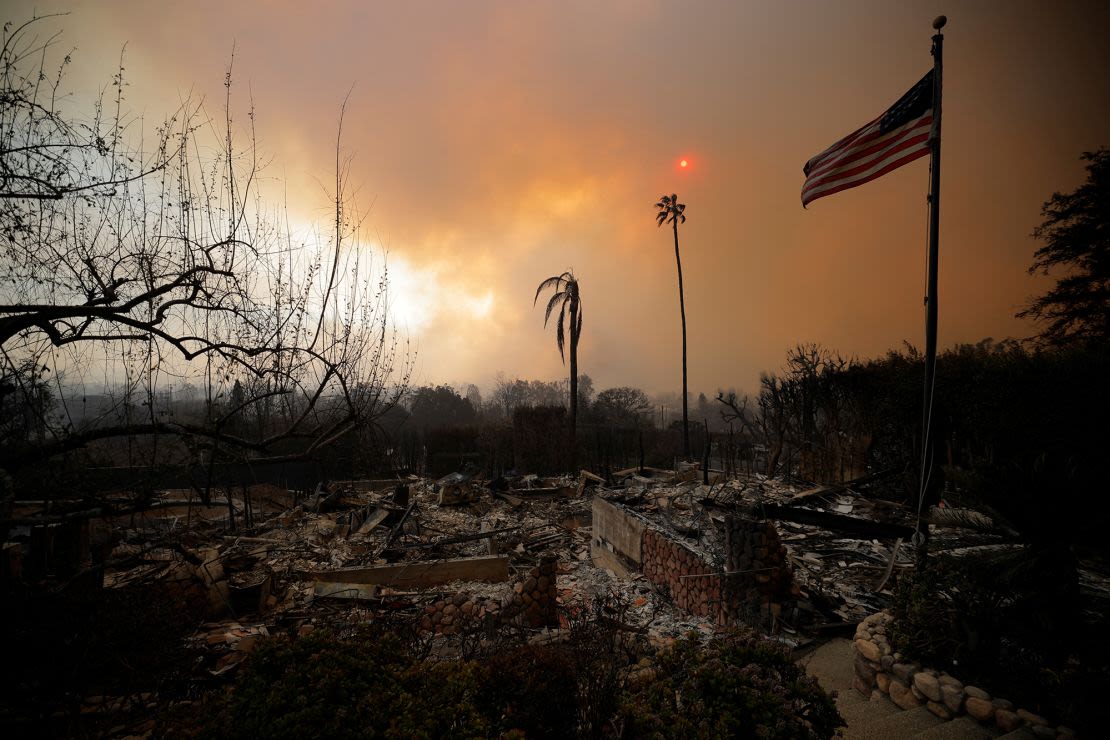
501	143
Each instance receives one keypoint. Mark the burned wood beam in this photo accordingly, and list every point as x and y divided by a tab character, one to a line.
354	591
513	501
967	519
373	519
846	486
400	524
461	538
872	478
542	494
845	525
620	626
489	569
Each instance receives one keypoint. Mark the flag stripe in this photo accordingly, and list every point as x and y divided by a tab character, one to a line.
918	135
868	145
846	141
903	156
899	136
849	157
857	174
916	154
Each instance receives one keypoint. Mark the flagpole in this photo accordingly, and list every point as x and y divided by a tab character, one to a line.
921	536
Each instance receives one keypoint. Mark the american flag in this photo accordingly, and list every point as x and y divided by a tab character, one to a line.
898	136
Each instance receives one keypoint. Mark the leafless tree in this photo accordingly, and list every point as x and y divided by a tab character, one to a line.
155	256
801	409
736	410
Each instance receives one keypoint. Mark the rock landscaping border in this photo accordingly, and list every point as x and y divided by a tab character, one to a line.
882	671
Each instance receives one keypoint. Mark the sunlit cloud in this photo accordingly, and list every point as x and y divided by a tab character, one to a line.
414	295
494	144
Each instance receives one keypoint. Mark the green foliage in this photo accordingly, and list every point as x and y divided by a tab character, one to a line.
372	685
1023	435
81	641
320	686
999	410
531	690
1008	622
946	617
737	686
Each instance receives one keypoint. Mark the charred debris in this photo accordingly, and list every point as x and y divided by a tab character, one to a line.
464	557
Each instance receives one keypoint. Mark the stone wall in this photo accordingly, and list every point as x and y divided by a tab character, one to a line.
751	577
759	573
883	672
694	584
531	602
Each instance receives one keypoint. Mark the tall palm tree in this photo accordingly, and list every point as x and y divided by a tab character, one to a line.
671	211
566	296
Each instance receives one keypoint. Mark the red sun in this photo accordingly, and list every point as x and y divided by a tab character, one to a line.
683	164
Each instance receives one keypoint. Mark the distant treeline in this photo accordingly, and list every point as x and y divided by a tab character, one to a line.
819	418
1003	411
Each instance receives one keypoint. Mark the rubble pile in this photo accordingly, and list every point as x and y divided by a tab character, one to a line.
775	571
663	551
705	552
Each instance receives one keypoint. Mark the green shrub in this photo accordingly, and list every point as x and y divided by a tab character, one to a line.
999	622
945	617
371	685
321	686
736	686
83	641
531	689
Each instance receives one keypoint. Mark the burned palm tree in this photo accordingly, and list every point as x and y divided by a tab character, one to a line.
567	298
671	211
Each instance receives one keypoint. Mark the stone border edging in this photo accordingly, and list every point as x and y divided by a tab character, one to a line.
878	668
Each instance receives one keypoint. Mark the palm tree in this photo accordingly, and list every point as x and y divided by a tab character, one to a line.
566	296
670	210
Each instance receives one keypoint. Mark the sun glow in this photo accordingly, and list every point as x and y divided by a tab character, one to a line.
413	294
421	297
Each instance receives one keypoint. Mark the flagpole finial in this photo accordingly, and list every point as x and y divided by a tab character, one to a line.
939	22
